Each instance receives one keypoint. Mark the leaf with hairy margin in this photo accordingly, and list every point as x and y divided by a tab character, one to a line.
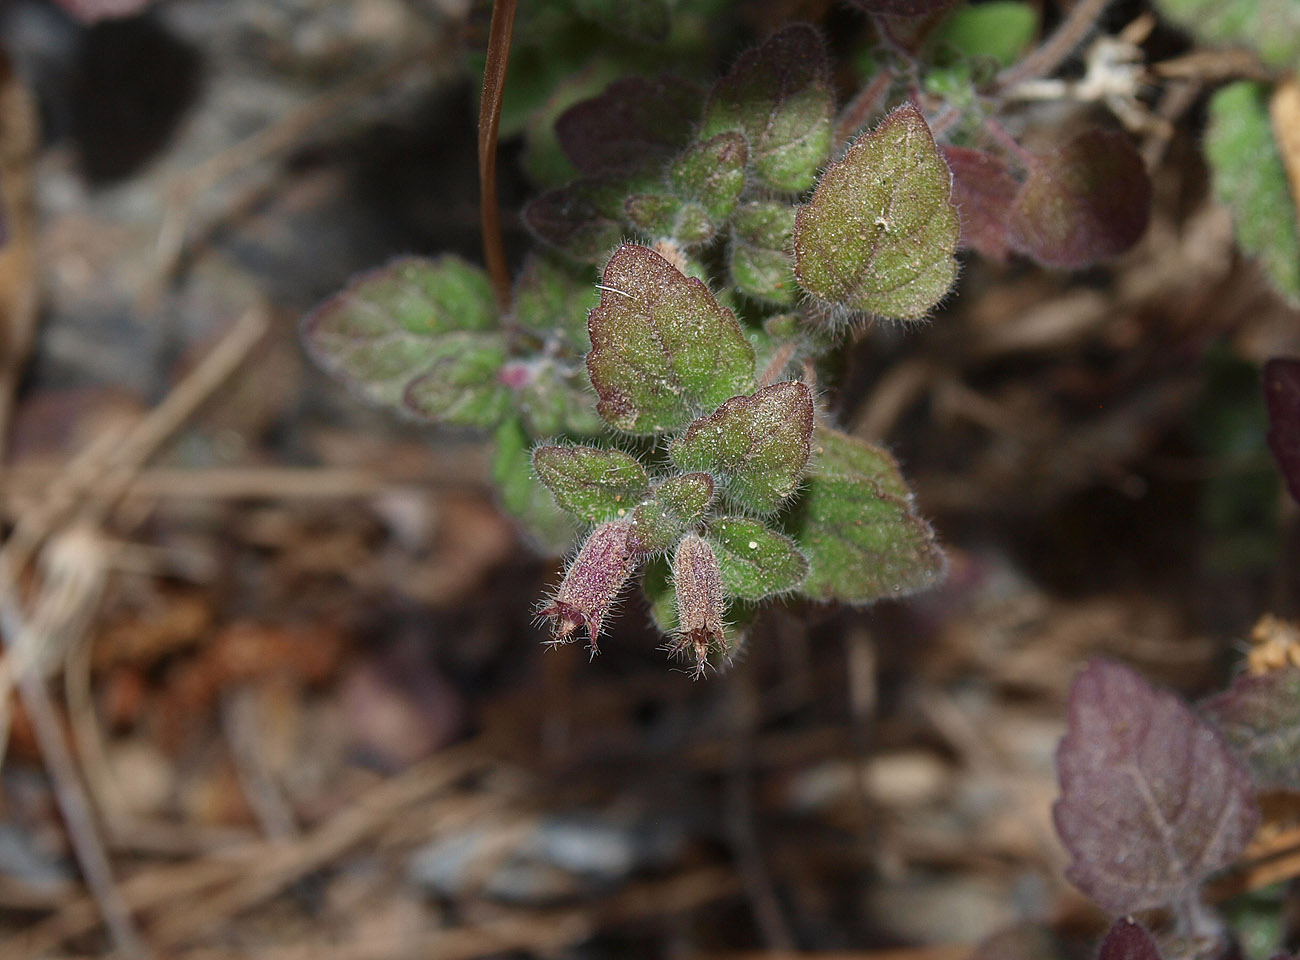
779	96
1152	801
636	124
591	483
758	445
1086	201
755	560
879	234
662	348
391	325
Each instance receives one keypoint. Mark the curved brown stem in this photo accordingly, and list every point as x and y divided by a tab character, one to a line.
489	122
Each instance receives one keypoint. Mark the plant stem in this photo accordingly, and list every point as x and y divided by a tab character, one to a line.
1053	51
489	122
858	111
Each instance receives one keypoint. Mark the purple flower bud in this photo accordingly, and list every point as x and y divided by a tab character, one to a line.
592	583
698	582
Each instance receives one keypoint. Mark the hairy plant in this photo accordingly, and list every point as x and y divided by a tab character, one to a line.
654	373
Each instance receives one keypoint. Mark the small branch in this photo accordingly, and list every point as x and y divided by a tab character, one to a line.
1007	142
489	122
1053	51
780	360
858	111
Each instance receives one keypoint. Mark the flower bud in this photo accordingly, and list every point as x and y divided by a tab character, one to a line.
698	583
592	583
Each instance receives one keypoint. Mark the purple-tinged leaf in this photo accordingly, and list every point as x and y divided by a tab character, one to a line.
879	233
635	125
583	219
1087	201
1282	394
779	96
1260	719
983	191
1152	802
1127	940
662	348
591	483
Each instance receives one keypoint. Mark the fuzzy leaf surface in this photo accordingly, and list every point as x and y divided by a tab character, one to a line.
1248	175
855	523
1270	27
591	483
389	326
755	560
1127	940
880	231
983	192
1282	394
758	444
762	234
662	348
1152	802
583	219
462	387
550	295
1259	717
779	96
676	505
1088	200
523	496
637	124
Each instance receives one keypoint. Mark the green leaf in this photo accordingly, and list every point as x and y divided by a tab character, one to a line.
762	233
756	561
550	295
837	454
1001	30
1249	177
879	234
591	483
855	523
676	505
661	346
687	496
661	598
779	96
1259	717
1087	200
462	387
390	326
646	20
758	444
522	496
1270	27
712	173
551	398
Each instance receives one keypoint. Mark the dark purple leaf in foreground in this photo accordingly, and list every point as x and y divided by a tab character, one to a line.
1282	394
1260	719
1127	941
1151	800
636	124
983	191
1087	201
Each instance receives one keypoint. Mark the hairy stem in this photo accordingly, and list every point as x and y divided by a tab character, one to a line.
858	111
489	122
1053	51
